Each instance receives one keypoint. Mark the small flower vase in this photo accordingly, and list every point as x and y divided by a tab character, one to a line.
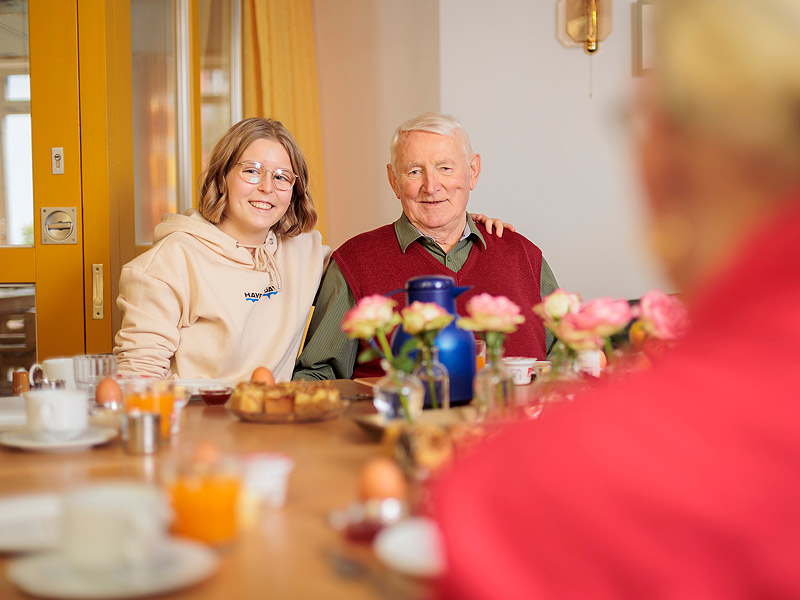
434	377
558	384
494	388
398	395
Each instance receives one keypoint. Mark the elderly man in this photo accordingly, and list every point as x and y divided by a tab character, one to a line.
432	172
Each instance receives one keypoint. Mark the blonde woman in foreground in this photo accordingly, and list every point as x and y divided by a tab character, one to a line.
682	482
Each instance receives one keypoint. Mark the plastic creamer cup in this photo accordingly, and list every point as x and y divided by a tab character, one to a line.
520	368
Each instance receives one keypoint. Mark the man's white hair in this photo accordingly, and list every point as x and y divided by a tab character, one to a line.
432	123
732	68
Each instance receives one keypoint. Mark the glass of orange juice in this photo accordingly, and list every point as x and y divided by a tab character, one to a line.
480	355
205	489
152	395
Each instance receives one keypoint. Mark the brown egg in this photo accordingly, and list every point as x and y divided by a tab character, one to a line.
262	375
382	478
108	392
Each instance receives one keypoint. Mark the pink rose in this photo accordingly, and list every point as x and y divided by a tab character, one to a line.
556	305
491	313
371	314
570	331
663	316
425	316
603	316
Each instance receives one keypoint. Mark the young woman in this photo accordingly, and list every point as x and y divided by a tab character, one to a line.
228	287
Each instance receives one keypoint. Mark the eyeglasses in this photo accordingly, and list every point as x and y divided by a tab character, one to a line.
254	172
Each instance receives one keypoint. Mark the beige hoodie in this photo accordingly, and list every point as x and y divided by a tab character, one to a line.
198	305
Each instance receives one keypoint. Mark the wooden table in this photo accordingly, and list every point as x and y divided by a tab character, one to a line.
287	552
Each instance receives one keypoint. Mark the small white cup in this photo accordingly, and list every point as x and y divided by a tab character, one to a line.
591	362
520	368
54	414
266	476
114	526
55	369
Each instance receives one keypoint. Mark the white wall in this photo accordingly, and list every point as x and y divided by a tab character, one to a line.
378	64
555	161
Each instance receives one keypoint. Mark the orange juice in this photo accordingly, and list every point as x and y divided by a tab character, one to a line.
206	507
166	404
480	355
152	396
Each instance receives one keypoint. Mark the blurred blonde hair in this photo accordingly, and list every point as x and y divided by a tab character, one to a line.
732	68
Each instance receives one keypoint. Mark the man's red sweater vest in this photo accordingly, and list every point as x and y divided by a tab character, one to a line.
511	266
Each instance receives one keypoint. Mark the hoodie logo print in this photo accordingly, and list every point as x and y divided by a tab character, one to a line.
256	296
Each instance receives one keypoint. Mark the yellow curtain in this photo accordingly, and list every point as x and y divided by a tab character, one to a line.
280	79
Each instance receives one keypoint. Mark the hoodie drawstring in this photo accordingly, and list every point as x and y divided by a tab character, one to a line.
264	261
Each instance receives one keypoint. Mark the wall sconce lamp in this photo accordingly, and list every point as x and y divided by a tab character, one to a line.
583	23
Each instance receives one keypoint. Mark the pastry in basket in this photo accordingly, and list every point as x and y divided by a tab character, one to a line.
295	397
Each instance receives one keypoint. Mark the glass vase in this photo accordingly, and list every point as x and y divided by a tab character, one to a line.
398	395
556	385
494	388
434	377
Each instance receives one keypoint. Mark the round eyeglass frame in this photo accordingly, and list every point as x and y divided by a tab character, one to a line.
279	184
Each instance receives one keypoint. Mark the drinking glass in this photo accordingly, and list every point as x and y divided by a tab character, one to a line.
152	395
205	487
91	369
480	355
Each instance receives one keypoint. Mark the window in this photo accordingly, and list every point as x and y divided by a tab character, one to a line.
162	81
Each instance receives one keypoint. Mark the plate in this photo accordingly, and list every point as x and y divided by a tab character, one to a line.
193	386
48	575
413	547
305	417
29	523
374	424
27	441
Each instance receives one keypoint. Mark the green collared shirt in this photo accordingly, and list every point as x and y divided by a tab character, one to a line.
329	353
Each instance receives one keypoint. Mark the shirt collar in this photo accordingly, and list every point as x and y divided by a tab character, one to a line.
407	233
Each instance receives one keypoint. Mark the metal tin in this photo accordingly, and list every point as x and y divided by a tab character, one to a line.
142	432
19	382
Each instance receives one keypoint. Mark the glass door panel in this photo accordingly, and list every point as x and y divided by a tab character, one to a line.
17	332
17	302
155	99
220	90
16	175
164	68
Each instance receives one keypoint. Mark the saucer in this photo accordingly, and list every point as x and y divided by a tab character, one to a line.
181	563
412	546
193	386
29	522
25	440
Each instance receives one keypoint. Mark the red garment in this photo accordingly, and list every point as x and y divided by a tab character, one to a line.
511	266
681	483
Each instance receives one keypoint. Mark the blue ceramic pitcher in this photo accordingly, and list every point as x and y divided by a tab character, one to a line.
456	346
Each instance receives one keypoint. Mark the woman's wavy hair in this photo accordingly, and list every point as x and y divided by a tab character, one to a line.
300	217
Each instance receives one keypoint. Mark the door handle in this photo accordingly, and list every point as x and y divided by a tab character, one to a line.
97	291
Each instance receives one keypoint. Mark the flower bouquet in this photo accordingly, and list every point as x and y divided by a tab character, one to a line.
598	326
492	318
398	393
423	321
582	331
661	320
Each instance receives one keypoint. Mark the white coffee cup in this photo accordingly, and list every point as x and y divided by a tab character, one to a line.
54	414
114	526
520	368
55	369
